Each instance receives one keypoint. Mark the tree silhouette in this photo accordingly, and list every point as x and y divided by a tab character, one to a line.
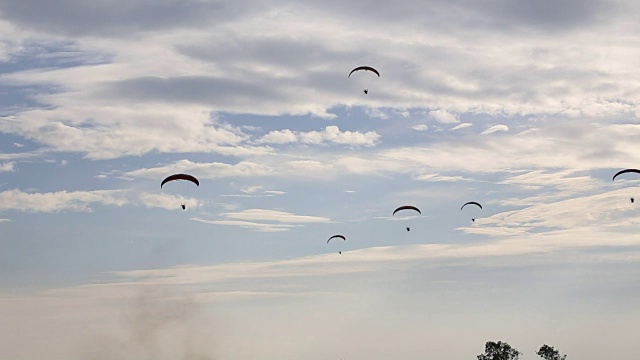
549	353
499	351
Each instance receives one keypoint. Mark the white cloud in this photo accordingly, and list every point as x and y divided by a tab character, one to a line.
7	167
535	148
201	71
495	128
104	132
444	117
330	134
206	170
5	220
420	127
461	126
58	201
280	137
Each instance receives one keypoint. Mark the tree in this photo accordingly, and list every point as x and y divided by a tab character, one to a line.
549	353
499	351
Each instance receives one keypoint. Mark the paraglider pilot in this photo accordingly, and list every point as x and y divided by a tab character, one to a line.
183	207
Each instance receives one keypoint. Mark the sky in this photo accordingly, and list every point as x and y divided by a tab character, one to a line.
526	107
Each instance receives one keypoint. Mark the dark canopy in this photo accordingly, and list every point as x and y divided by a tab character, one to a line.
180	177
407	207
366	68
471	203
624	172
336	236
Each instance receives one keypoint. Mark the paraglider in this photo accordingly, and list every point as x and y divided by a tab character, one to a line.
407	207
175	177
471	203
625	171
364	68
338	236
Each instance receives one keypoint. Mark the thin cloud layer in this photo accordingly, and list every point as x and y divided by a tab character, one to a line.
461	126
264	220
610	210
18	200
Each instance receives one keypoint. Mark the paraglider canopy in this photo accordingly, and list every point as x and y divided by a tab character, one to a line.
180	177
407	207
471	203
365	68
624	172
336	236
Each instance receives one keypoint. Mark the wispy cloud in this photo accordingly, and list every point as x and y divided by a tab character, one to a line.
496	128
264	220
255	226
370	260
609	210
438	177
461	126
274	215
83	200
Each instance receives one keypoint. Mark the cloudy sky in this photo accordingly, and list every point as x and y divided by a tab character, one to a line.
527	107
